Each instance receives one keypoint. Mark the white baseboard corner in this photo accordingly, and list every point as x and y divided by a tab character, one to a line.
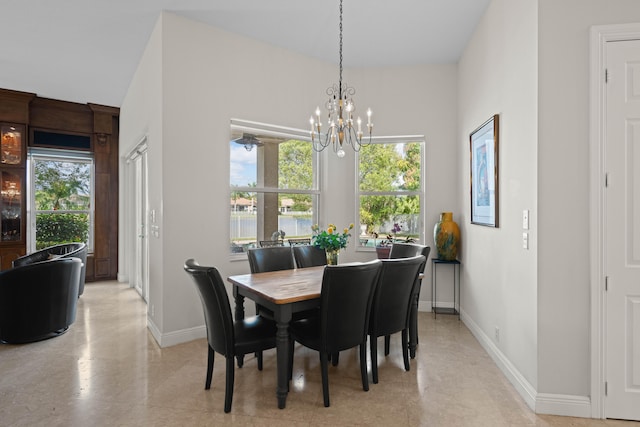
176	337
540	403
566	405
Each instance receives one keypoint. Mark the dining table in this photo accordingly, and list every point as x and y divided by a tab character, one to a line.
284	293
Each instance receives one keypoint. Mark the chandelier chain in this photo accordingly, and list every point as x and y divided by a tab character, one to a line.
340	81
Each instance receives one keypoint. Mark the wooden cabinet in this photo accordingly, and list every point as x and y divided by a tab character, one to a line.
12	193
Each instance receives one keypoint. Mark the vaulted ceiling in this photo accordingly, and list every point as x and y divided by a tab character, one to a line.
87	50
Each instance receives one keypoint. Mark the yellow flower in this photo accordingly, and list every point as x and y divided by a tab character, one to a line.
350	226
330	230
345	231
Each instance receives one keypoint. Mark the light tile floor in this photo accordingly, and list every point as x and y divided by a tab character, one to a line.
107	370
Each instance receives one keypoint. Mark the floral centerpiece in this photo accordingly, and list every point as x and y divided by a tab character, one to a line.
331	240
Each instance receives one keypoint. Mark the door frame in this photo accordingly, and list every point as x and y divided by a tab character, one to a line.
600	35
135	266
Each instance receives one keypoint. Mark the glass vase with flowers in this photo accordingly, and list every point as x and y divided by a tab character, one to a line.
331	240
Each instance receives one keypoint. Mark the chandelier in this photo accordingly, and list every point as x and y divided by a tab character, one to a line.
340	108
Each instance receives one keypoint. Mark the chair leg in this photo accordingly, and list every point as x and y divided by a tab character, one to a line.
228	392
363	366
405	350
259	356
335	358
413	326
373	350
207	383
240	358
324	368
387	344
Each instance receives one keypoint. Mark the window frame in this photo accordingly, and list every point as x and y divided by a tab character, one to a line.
264	129
58	155
421	193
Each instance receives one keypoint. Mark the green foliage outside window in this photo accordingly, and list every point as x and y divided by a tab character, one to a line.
388	170
61	186
56	228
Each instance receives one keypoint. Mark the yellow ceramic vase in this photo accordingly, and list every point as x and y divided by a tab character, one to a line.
446	236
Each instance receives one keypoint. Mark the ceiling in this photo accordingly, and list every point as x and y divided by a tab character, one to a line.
87	50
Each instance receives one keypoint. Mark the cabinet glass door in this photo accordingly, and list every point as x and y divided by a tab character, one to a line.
11	203
11	144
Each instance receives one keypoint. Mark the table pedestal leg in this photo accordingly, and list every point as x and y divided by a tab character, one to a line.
283	317
239	313
282	348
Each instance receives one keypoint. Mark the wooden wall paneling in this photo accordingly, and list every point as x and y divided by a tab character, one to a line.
14	106
102	124
61	116
7	255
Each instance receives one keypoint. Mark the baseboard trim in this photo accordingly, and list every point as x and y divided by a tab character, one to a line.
566	405
519	382
177	337
540	403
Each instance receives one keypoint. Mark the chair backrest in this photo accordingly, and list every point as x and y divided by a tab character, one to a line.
215	303
392	299
309	256
270	259
345	302
408	250
270	243
299	242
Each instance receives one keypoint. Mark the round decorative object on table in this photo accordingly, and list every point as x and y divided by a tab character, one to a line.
332	257
446	236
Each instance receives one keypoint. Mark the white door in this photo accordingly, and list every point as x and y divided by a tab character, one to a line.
622	230
141	221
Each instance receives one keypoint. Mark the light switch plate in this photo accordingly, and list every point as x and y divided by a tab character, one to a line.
525	219
525	240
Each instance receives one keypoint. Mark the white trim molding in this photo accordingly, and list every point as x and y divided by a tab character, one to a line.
175	337
522	386
599	37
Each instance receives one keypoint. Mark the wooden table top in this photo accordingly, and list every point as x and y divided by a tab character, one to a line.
283	286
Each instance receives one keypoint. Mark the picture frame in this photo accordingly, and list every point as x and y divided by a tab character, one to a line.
483	145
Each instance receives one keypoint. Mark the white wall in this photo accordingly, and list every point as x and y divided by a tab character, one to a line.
563	190
210	76
141	115
498	75
529	62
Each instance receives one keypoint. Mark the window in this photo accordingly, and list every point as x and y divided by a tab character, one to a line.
61	198
274	193
390	191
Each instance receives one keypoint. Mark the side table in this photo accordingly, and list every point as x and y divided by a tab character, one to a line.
456	284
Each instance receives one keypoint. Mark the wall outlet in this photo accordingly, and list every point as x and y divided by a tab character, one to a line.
153	310
497	334
525	219
525	240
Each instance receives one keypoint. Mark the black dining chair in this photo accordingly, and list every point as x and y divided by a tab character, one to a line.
224	335
270	259
274	258
405	250
309	256
345	303
392	303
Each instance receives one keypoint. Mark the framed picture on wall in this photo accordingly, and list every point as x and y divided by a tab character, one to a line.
484	173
